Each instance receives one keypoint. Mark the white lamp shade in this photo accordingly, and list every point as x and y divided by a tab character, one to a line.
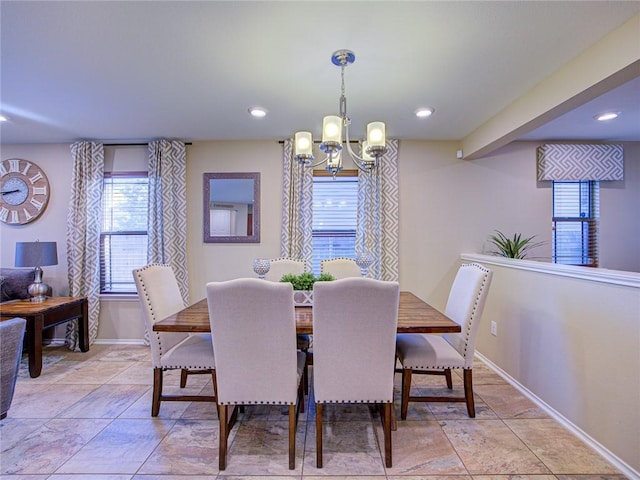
376	134
365	156
332	129
303	143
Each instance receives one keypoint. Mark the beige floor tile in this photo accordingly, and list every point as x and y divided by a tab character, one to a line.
96	372
89	477
482	375
46	449
139	373
507	402
39	400
120	448
179	477
14	430
107	401
189	448
24	477
558	448
490	447
349	448
421	448
261	447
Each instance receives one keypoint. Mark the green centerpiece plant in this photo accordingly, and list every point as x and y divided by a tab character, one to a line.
516	247
303	285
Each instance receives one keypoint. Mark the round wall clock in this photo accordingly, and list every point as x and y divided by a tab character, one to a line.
24	191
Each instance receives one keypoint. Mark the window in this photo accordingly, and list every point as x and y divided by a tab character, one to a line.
575	223
334	217
123	240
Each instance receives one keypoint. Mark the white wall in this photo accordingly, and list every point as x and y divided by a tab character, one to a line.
572	341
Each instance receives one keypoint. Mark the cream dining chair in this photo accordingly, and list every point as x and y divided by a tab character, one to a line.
281	266
354	329
341	267
254	336
160	297
438	355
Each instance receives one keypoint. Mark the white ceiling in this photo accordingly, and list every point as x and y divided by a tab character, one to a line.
133	71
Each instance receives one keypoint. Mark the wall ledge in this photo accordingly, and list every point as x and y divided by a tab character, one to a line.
601	275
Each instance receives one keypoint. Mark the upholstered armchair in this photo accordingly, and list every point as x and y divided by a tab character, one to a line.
11	336
354	329
160	297
254	336
438	355
340	267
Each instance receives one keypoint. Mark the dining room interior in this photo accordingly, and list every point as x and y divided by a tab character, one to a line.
555	379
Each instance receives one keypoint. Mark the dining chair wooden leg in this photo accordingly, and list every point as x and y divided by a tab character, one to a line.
386	424
183	377
157	392
406	390
292	436
223	410
468	392
447	376
319	435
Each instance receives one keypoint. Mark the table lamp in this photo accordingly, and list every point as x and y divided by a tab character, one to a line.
37	254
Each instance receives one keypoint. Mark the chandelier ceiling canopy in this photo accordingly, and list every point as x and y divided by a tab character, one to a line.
372	149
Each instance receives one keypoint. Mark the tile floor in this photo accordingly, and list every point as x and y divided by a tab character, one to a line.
88	417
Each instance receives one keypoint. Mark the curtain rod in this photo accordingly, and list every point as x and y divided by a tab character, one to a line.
132	144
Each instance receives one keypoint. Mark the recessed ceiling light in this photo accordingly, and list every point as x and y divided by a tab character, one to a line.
258	112
3	118
424	112
602	117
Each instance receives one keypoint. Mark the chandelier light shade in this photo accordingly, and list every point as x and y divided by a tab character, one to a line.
372	149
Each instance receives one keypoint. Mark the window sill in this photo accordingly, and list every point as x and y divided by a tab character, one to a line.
118	297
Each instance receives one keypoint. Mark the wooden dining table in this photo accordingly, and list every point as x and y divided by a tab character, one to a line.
414	316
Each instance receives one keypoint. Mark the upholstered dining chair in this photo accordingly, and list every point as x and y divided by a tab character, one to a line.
438	355
340	267
281	266
191	353
354	329
254	336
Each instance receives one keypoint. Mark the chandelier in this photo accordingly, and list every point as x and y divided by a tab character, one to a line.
372	149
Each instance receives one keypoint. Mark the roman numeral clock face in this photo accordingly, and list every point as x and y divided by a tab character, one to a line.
24	191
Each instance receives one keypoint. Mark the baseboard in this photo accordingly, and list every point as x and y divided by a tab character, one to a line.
624	468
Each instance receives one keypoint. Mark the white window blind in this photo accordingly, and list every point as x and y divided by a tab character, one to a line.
575	222
335	205
123	240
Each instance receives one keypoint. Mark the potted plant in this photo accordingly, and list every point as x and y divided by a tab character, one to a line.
516	247
303	285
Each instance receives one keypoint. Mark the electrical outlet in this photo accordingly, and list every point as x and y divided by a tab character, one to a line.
494	328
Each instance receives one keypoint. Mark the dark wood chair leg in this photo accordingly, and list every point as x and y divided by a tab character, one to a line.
223	410
406	390
183	377
468	393
447	375
292	436
387	434
157	392
319	435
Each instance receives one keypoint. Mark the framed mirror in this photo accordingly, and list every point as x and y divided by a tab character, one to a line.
231	207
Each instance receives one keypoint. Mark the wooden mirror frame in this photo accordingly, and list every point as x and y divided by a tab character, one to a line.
254	236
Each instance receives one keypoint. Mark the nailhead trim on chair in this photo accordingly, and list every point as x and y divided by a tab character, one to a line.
475	305
153	315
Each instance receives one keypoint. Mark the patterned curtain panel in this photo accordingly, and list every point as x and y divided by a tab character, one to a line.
84	222
297	201
167	228
377	231
580	162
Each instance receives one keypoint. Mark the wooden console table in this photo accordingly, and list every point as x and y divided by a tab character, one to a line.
53	311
